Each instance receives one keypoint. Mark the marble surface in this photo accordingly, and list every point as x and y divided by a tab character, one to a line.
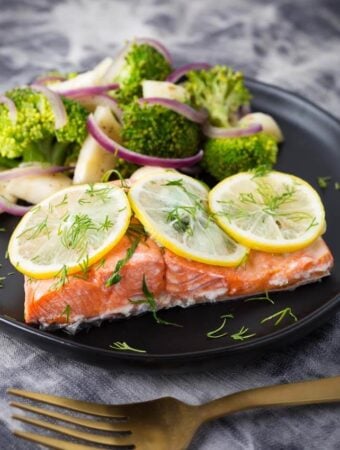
294	44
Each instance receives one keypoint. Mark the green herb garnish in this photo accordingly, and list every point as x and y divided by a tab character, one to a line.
151	302
281	315
241	335
123	346
67	313
61	279
323	182
263	298
116	275
212	334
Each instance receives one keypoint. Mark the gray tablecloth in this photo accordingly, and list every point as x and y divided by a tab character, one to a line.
294	44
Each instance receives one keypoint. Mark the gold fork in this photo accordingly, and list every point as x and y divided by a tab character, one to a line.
162	424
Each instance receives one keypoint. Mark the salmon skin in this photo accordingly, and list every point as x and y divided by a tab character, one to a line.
173	280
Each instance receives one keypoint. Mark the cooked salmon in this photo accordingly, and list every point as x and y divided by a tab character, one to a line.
172	279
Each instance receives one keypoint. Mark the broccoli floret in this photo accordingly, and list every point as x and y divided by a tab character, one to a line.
142	62
219	90
33	137
158	131
226	156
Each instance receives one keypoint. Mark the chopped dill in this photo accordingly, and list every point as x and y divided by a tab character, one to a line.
181	218
262	298
100	263
67	313
106	225
84	268
61	278
74	236
36	231
116	276
260	171
213	333
103	194
241	334
151	302
281	315
123	346
323	181
63	202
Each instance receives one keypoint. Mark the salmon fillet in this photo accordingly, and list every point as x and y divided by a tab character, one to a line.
172	279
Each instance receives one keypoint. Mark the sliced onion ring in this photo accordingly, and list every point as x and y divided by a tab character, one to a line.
12	110
102	100
12	208
136	158
180	108
89	90
31	170
216	132
57	105
157	46
183	70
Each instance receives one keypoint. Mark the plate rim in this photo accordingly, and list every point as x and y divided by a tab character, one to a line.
256	343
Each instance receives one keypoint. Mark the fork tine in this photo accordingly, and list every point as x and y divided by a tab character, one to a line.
74	405
95	425
52	442
95	438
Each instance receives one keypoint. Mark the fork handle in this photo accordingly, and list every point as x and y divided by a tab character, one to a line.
326	390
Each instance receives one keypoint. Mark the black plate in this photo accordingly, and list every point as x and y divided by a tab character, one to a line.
311	149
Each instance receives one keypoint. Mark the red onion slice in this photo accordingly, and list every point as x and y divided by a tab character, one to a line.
180	108
216	132
102	100
31	170
157	46
136	158
183	70
12	110
89	90
12	208
57	105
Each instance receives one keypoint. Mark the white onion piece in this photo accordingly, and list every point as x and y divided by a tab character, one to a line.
12	110
12	208
45	80
178	107
56	103
269	125
92	101
183	70
157	46
216	132
89	90
136	158
31	170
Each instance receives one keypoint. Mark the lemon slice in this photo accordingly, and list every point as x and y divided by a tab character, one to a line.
70	230
174	210
276	212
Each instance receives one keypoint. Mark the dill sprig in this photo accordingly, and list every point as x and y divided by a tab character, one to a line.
73	236
241	334
323	181
67	313
262	298
37	230
281	315
116	276
151	302
123	346
213	333
103	194
61	278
